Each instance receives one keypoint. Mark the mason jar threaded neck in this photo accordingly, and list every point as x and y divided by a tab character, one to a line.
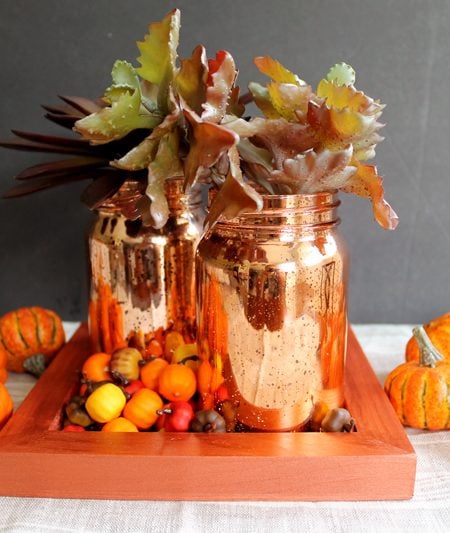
296	210
132	190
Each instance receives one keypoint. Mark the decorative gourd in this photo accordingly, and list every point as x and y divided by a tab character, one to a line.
124	363
142	408
3	363
151	371
438	330
418	391
6	405
177	382
105	403
120	425
96	367
30	332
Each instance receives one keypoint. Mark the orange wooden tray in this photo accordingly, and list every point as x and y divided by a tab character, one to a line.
375	463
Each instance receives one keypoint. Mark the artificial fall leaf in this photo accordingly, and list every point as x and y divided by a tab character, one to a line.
366	183
283	139
346	97
222	74
235	106
124	115
313	172
59	168
143	154
276	71
85	106
165	165
190	81
125	81
105	185
347	115
235	196
262	99
289	100
342	74
336	128
46	182
159	54
208	141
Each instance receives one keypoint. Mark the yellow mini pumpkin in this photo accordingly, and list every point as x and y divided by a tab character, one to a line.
105	403
418	390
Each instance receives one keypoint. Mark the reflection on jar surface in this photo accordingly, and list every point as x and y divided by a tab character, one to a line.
271	311
142	278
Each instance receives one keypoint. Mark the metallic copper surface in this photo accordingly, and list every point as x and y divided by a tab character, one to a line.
272	310
149	273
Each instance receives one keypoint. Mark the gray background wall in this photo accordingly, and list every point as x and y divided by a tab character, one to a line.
400	50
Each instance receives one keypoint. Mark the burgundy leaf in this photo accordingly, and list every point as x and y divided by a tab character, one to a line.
102	188
59	168
51	139
85	105
30	146
45	182
66	121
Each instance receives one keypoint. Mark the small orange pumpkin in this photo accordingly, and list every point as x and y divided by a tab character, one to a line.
151	371
418	391
27	332
120	425
142	407
177	382
6	405
438	330
96	367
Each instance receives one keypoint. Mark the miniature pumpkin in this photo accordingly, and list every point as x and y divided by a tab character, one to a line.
418	391
120	425
438	330
142	408
3	363
177	382
28	332
105	403
96	367
6	405
151	371
125	363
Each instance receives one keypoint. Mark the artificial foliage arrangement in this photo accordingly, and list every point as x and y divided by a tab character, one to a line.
171	117
270	331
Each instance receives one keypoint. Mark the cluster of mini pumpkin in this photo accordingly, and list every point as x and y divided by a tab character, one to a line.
130	391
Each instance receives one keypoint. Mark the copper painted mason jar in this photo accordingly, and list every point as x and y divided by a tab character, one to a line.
271	311
141	278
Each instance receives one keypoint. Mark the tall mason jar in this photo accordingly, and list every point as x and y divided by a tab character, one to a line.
271	312
141	278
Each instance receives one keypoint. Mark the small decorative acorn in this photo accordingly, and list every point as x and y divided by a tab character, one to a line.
336	420
208	421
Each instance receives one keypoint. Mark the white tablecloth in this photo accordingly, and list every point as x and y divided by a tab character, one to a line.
428	510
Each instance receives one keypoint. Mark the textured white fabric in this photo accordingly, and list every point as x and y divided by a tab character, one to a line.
428	510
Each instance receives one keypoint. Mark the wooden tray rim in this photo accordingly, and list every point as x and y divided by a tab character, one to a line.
351	466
